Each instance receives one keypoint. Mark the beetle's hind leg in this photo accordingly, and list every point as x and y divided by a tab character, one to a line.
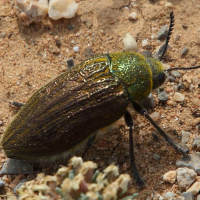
129	122
179	147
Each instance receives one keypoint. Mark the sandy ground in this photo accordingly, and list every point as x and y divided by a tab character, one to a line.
29	58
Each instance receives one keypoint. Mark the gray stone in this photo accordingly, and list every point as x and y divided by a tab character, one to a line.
198	197
171	78
184	51
70	27
175	88
187	195
185	177
175	74
156	156
162	33
2	183
148	102
196	142
19	185
15	167
168	195
191	161
180	86
163	96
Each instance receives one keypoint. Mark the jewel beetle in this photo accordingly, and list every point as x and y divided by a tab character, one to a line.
69	110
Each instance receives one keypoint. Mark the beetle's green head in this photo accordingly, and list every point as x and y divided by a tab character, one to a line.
158	74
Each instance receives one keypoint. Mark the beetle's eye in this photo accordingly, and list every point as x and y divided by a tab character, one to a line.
159	80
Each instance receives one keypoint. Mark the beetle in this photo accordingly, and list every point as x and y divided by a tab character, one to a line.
91	95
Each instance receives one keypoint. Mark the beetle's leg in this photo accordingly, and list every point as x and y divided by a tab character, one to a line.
180	148
89	143
129	122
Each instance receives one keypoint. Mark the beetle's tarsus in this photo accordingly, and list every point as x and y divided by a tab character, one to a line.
180	148
138	179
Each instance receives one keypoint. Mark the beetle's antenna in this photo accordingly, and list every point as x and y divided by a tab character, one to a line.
169	33
160	53
183	68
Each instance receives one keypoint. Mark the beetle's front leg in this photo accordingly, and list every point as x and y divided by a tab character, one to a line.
180	148
129	122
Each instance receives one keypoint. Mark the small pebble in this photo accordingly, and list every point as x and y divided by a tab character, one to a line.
196	142
163	96
62	9
191	161
162	33
195	79
171	78
70	63
195	121
175	74
155	116
168	195
31	11
70	27
166	66
191	87
76	48
178	97
1	123
181	86
129	42
144	43
187	196
184	51
133	15
15	167
175	88
186	78
148	102
195	188
168	4
170	102
156	156
185	136
2	183
185	177
170	177
3	35
185	26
